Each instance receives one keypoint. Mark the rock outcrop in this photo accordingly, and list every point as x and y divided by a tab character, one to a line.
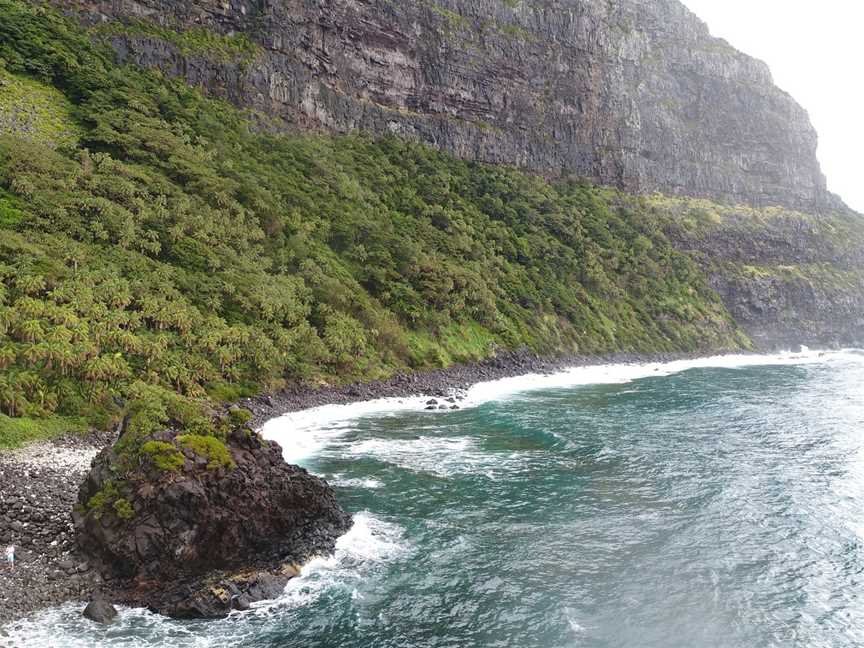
786	278
100	611
634	93
192	535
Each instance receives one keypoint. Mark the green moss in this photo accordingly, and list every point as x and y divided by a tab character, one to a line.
164	456
37	112
197	41
123	509
211	448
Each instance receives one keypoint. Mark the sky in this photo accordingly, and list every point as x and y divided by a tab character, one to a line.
816	53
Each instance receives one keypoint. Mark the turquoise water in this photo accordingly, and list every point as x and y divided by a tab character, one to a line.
709	507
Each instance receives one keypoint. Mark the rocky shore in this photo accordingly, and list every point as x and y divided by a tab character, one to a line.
38	487
438	383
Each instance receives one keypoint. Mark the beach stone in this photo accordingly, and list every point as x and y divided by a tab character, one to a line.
100	611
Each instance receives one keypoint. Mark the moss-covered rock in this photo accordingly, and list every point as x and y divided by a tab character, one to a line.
218	526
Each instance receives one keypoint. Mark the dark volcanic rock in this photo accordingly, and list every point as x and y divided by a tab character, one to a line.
202	537
632	93
100	611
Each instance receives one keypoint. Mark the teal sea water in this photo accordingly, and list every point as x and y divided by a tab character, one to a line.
658	506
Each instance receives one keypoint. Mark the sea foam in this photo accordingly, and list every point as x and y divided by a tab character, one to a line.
304	433
371	542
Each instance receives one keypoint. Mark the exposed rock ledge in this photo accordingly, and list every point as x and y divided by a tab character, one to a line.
204	536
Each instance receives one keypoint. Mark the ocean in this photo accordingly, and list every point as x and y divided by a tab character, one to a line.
701	503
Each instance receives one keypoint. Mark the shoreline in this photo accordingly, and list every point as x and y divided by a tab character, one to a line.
442	383
38	487
39	482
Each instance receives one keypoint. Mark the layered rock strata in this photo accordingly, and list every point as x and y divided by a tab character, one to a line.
634	94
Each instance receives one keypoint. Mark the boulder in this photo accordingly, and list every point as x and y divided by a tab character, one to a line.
100	611
190	540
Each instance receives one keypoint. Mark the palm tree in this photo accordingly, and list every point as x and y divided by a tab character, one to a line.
8	318
12	401
30	331
8	355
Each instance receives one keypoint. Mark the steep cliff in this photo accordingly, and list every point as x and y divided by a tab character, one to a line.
161	253
786	278
634	94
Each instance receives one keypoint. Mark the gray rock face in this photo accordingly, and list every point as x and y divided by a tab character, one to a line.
786	278
633	93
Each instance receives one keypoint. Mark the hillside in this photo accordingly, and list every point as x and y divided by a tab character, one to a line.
163	252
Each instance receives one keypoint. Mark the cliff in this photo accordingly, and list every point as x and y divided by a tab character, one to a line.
785	277
634	94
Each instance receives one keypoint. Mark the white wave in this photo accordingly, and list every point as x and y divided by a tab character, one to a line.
369	544
302	434
442	456
341	481
611	374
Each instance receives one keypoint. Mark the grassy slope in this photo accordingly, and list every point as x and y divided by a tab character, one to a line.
168	257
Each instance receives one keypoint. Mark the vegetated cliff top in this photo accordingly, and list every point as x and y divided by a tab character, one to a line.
635	94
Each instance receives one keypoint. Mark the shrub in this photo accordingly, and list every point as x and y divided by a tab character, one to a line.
165	456
123	509
239	416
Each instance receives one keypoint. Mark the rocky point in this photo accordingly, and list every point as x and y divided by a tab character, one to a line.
188	534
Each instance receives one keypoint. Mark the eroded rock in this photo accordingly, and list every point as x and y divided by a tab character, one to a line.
190	541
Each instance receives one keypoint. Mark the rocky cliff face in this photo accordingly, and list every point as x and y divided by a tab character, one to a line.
786	278
634	93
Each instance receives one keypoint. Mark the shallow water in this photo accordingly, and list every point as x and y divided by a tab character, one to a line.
663	505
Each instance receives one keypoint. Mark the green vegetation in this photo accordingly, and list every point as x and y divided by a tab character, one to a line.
210	448
164	455
16	432
123	509
198	41
175	258
34	111
455	21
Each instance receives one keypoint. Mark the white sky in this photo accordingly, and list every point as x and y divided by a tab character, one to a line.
816	53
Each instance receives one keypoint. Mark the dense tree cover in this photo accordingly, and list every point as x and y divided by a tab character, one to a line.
172	257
